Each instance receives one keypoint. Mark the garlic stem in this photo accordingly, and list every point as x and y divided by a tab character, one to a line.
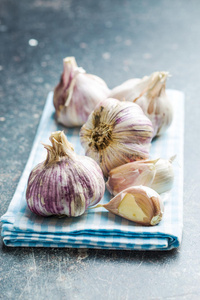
60	147
96	206
72	85
172	158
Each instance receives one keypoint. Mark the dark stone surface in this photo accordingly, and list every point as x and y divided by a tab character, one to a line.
116	40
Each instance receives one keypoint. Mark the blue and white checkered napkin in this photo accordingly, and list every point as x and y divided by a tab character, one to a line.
98	228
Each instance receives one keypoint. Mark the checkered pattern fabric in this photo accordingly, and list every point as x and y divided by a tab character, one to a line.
98	228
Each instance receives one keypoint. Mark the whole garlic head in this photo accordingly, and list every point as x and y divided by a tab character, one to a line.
65	183
77	94
149	93
115	133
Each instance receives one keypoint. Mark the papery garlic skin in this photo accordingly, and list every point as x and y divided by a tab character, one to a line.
116	133
77	94
139	204
157	174
149	93
131	174
164	177
65	183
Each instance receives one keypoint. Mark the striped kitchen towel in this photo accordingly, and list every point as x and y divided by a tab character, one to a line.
99	228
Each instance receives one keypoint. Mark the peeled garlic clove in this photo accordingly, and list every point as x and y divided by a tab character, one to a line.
77	94
131	174
149	93
65	183
139	204
164	176
116	133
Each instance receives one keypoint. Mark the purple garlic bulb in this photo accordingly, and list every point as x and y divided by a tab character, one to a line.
116	132
150	94
77	94
65	183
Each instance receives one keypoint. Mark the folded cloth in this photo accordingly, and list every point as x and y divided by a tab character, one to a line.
98	228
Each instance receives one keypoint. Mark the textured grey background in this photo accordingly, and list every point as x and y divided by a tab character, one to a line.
116	40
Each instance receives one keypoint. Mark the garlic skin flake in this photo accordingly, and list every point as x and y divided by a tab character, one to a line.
77	94
139	204
157	174
149	93
116	133
65	183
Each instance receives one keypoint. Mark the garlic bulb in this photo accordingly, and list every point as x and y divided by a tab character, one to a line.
65	183
149	93
77	94
139	204
157	174
116	133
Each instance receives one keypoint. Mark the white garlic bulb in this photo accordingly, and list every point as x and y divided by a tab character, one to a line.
77	94
157	174
65	183
115	133
149	93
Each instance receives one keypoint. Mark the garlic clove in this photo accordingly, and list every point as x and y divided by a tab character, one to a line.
164	177
149	93
125	90
77	94
139	204
157	174
131	174
65	183
116	133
